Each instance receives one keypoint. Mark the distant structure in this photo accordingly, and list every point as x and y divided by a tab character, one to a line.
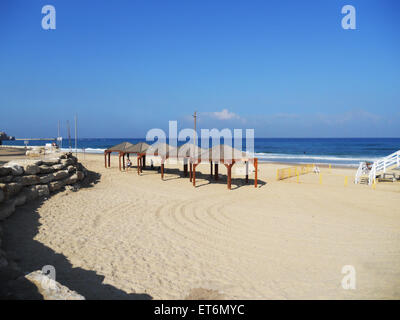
4	136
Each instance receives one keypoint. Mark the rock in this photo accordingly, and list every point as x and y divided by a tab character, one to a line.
67	162
50	289
60	175
42	190
80	175
5	179
3	261
56	185
16	169
70	169
6	209
20	199
28	180
57	167
50	162
31	169
46	169
12	189
2	196
72	179
30	193
4	171
47	178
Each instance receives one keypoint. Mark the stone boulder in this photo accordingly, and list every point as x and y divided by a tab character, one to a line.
50	289
20	199
67	162
42	190
31	169
70	169
60	175
12	189
57	167
28	180
46	178
72	179
30	193
56	185
46	169
81	175
6	179
4	171
16	169
50	162
6	209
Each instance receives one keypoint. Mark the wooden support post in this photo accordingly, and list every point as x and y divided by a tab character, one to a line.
141	164
256	172
138	167
191	171
144	162
216	171
211	169
185	169
194	174
123	161
105	159
119	161
162	170
247	171
109	161
229	182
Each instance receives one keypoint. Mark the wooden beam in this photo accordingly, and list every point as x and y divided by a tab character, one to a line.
211	169
185	169
247	171
123	161
138	167
162	170
109	159
256	171
191	171
229	183
119	160
216	171
194	174
105	159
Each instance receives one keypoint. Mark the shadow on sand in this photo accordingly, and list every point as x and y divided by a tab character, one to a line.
30	255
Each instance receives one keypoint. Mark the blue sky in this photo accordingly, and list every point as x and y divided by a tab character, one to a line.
284	68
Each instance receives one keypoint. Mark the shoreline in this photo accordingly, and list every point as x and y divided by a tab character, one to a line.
320	164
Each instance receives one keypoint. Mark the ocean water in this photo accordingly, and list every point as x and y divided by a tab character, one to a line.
342	151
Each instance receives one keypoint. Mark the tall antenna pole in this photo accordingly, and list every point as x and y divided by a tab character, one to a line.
195	120
76	136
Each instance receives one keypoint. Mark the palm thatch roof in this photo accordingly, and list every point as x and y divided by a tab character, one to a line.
140	147
162	149
223	153
188	150
121	147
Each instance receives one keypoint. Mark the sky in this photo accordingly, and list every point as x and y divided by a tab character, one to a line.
283	68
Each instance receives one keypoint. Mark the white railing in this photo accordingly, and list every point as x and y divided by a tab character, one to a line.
382	164
360	171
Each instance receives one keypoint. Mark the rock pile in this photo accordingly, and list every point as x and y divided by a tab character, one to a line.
26	180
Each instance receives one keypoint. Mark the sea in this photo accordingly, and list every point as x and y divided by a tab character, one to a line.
335	151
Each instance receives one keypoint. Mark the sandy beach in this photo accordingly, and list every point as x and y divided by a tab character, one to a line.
137	237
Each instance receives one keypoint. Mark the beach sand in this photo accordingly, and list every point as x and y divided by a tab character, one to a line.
137	237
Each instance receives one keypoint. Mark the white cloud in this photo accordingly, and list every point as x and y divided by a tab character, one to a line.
224	115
